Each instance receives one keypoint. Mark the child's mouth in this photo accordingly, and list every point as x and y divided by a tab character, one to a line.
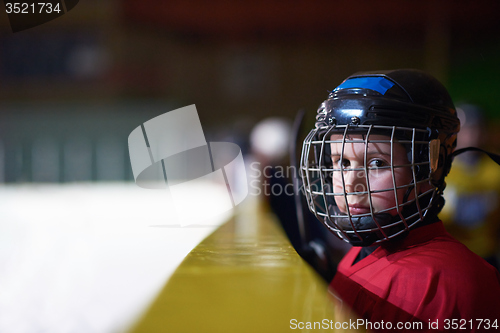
358	209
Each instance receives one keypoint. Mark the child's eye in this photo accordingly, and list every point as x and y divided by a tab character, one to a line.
377	163
344	163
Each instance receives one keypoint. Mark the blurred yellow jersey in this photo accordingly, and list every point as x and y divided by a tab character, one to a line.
472	205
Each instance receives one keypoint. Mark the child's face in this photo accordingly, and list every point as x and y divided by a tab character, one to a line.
380	178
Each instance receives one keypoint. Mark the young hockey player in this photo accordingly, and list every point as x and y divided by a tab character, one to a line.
373	172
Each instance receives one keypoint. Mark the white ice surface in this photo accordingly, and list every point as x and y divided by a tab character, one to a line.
87	257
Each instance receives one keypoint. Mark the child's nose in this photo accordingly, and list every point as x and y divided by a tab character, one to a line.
355	181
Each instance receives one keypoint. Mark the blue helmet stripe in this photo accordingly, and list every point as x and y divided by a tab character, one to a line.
377	83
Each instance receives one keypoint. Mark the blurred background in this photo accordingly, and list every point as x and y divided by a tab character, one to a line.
73	89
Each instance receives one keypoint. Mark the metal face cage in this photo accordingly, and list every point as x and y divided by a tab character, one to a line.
354	212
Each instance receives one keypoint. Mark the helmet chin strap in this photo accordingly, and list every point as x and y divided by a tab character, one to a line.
364	223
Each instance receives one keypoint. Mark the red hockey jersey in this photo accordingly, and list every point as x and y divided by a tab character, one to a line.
429	277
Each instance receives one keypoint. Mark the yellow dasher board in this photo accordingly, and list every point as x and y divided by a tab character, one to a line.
245	277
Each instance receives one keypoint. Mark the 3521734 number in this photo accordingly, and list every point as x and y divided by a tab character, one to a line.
32	8
462	324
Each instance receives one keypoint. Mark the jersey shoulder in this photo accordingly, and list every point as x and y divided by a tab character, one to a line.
446	276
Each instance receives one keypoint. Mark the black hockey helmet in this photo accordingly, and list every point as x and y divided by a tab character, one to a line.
405	106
